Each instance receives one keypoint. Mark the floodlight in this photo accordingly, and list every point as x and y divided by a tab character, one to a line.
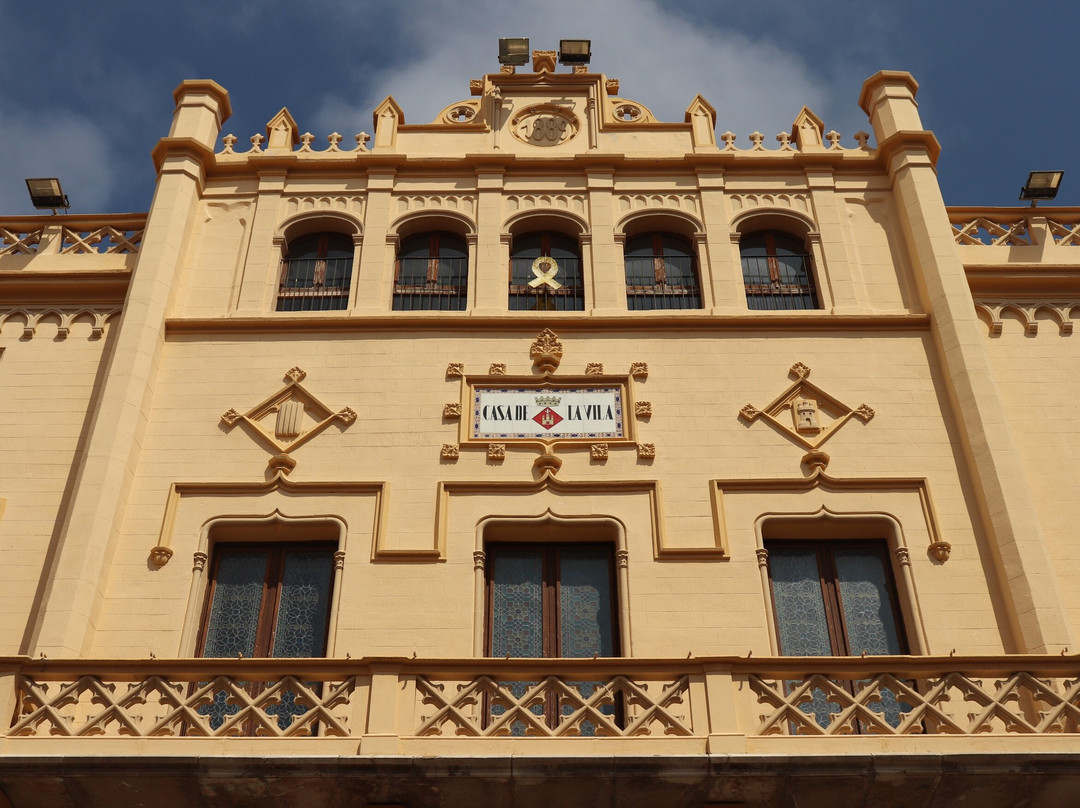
514	51
574	51
1041	185
45	192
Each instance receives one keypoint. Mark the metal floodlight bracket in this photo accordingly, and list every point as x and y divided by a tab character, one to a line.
575	51
46	193
514	51
1041	185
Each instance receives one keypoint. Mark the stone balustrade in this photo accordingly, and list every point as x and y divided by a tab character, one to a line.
606	706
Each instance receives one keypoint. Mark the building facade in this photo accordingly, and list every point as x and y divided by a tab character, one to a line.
543	452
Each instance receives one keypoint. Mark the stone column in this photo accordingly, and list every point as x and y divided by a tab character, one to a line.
1006	508
491	279
605	273
375	274
78	574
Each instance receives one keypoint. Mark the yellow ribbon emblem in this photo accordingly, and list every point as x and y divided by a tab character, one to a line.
545	269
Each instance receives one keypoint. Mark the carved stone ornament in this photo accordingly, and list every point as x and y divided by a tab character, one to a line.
543	61
622	559
804	412
546	352
450	451
548	463
282	463
479	558
598	451
160	556
762	557
639	370
612	86
198	562
544	125
646	450
455	369
339	560
497	369
290	417
643	409
496	451
594	369
941	550
452	410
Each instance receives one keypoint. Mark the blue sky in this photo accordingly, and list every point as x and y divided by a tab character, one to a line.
86	89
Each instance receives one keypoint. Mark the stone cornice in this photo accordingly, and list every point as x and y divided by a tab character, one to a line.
633	323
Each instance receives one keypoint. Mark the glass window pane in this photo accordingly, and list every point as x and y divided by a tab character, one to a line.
517	602
864	596
234	613
303	605
800	605
585	619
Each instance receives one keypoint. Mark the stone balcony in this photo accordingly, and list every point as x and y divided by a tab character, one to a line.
446	732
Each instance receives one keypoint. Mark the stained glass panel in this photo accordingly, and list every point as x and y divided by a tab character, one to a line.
864	595
585	620
234	613
517	600
800	606
303	605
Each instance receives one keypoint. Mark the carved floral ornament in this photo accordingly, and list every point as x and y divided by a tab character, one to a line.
287	419
804	412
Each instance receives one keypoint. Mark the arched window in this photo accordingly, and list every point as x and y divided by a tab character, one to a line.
777	272
432	273
661	273
316	273
545	273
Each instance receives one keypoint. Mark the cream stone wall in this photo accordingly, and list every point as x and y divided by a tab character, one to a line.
396	383
1037	376
49	384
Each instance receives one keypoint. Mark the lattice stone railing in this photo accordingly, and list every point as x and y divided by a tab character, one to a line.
72	235
1015	227
421	706
20	240
618	706
953	703
985	231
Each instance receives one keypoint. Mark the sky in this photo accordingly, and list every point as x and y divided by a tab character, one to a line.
86	88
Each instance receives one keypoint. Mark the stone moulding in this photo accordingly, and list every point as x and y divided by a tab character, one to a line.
937	547
64	319
242	493
1027	313
804	413
292	405
447	490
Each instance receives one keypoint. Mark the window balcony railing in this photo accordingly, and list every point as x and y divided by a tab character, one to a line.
788	287
315	284
661	282
431	284
430	707
527	294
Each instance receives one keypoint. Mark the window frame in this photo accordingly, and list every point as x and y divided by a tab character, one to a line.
268	617
660	290
521	292
432	290
307	296
551	578
831	598
775	289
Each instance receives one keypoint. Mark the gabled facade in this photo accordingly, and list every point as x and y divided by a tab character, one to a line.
546	452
